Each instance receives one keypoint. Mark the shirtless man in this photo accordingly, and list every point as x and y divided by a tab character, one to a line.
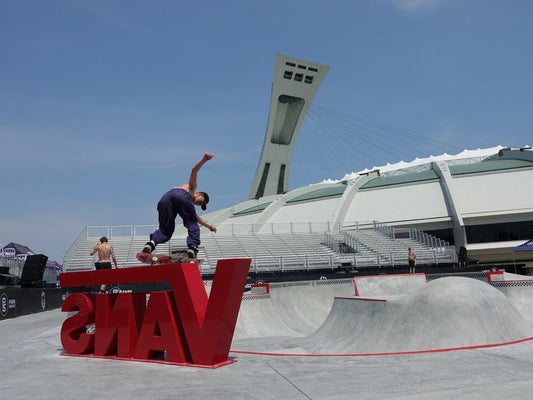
105	253
180	201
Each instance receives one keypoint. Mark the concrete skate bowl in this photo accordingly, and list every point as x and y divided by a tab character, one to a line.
294	309
445	314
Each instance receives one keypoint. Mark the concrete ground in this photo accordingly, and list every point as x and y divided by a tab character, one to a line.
31	365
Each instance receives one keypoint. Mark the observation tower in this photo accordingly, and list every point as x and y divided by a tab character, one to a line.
293	89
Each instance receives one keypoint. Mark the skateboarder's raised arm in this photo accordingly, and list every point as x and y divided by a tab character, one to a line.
194	173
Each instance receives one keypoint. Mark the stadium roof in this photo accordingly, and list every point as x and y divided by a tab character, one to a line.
421	164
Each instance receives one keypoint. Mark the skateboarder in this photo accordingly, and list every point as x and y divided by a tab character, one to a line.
181	201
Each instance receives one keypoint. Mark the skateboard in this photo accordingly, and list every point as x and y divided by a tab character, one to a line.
153	258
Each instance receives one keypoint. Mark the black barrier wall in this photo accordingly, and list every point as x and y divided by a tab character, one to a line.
15	301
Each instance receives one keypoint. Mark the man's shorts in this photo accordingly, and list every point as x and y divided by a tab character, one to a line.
103	265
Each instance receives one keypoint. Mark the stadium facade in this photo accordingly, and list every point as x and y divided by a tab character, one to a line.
480	200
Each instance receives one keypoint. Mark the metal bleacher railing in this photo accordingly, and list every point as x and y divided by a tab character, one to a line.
273	247
387	246
15	265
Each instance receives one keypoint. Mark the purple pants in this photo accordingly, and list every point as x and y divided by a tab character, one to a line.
173	203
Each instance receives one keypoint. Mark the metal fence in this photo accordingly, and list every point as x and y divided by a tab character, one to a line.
15	265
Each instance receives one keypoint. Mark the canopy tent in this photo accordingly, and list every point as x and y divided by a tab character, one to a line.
527	246
15	250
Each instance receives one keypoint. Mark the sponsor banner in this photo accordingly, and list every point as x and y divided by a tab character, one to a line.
15	301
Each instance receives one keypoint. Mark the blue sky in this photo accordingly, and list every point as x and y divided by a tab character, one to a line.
104	105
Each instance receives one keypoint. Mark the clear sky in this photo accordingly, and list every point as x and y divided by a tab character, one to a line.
106	104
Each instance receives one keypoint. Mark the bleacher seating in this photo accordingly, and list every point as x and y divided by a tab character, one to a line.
275	251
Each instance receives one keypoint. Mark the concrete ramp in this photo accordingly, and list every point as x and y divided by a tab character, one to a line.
388	285
518	289
446	313
258	319
289	309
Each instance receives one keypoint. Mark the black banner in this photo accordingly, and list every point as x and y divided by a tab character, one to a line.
15	301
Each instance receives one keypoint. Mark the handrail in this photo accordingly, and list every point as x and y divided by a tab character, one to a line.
275	228
74	246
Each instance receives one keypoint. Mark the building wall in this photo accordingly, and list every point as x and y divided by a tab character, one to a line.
310	211
391	204
502	192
